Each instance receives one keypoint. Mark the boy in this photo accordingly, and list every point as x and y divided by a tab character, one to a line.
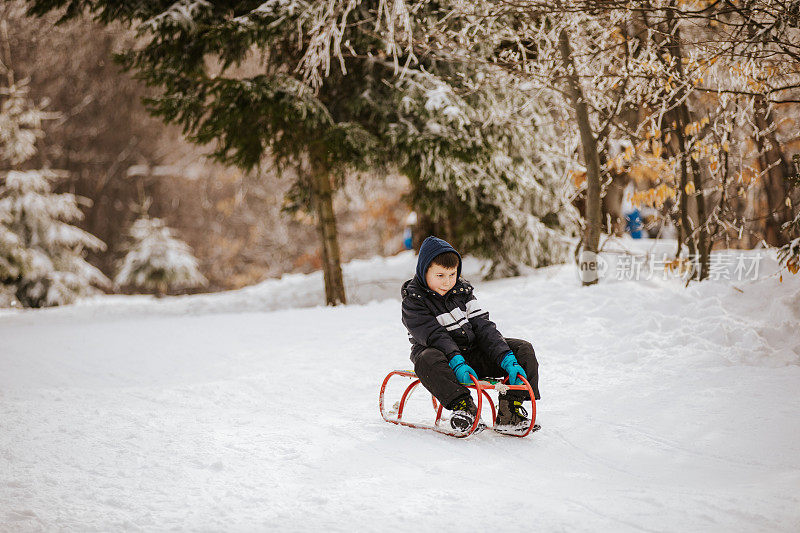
452	339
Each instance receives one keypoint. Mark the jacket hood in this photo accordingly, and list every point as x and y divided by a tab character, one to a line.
431	247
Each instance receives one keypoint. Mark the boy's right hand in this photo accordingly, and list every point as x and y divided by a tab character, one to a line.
462	369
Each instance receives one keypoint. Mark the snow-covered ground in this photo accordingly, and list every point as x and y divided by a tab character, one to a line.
663	408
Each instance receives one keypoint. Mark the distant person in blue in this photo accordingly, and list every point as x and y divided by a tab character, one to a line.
633	224
452	339
633	217
408	239
408	232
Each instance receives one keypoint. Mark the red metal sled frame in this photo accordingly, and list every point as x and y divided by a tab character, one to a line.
480	386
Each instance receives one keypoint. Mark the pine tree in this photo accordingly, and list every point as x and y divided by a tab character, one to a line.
12	262
157	260
486	164
200	55
42	255
43	252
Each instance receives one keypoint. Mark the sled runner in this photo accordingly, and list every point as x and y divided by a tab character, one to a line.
395	416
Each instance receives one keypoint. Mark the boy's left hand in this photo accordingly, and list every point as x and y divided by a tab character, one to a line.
510	365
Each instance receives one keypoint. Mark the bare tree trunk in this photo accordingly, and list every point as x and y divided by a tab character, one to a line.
776	168
685	227
704	241
326	226
770	156
612	202
700	245
591	237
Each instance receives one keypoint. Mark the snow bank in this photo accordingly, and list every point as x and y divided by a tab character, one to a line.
365	280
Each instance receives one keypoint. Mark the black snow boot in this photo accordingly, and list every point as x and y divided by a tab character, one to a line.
512	417
463	414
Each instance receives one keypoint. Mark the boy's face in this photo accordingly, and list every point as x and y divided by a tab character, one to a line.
440	279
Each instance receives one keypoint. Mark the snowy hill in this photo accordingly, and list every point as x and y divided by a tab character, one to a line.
663	408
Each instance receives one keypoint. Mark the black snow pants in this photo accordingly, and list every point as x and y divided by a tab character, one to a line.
435	374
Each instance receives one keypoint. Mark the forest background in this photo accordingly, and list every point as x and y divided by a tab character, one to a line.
527	118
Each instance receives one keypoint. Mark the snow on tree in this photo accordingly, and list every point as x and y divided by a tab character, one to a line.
53	269
12	262
157	260
327	100
12	254
42	255
689	93
487	165
789	253
20	124
199	55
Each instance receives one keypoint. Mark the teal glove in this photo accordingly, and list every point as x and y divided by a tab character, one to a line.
510	365
462	369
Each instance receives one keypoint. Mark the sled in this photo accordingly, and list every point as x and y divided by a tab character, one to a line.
395	416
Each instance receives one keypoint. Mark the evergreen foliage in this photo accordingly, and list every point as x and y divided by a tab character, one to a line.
12	254
42	255
155	259
488	165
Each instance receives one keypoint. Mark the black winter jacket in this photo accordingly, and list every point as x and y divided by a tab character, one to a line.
453	323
